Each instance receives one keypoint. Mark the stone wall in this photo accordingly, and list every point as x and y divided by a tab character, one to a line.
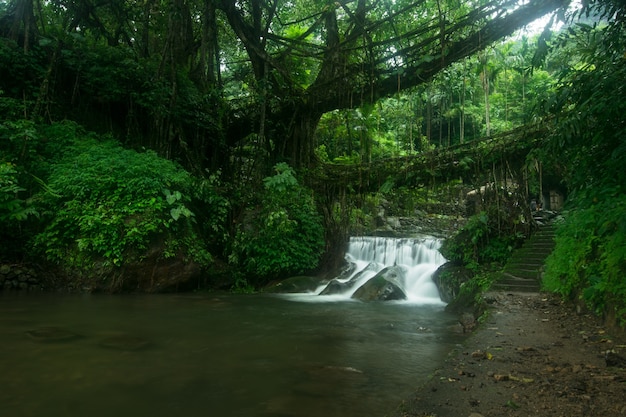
19	277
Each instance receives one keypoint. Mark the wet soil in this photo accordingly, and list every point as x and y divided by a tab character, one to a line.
532	355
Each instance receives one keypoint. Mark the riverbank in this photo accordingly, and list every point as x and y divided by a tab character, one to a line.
533	355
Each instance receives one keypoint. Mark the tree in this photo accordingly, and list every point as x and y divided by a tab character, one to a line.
197	79
358	52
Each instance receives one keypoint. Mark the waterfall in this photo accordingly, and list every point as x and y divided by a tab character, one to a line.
412	260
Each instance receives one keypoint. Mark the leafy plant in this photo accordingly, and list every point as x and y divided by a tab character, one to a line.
589	261
479	242
113	204
12	207
286	235
464	246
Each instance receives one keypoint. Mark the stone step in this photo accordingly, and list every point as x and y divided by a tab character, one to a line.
522	271
523	267
517	287
536	245
509	282
524	264
524	274
529	252
530	259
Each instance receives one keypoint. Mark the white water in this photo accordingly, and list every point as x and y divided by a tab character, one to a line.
417	258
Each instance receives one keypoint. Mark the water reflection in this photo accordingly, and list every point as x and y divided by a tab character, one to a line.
223	355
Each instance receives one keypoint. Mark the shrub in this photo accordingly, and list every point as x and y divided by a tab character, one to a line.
286	236
479	242
108	203
589	261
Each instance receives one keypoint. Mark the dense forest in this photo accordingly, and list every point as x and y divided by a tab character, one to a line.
165	145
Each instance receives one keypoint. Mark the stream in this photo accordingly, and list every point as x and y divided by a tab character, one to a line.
215	354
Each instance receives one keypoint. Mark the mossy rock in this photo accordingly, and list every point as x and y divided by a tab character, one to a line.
449	278
297	284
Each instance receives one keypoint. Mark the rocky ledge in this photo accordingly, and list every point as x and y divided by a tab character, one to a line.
19	277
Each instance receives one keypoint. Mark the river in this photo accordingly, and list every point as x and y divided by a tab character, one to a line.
213	355
229	355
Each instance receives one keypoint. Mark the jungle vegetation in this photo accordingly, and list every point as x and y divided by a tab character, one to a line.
202	130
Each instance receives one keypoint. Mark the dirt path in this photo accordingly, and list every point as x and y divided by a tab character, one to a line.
532	356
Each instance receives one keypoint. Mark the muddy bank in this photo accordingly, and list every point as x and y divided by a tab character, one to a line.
531	356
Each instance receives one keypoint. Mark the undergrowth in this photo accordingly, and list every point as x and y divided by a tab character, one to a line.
589	261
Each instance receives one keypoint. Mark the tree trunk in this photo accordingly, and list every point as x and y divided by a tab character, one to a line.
485	76
296	142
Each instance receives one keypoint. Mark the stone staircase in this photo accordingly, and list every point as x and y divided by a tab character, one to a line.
522	273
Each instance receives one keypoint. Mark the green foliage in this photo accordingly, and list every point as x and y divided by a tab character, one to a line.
470	293
286	236
112	204
479	242
464	246
12	207
589	260
24	160
589	136
242	286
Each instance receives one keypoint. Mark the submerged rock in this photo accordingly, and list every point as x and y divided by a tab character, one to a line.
125	342
52	334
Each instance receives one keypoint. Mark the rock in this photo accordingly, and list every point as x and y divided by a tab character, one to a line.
468	322
339	285
297	284
19	277
335	287
612	358
125	342
449	277
394	222
479	354
52	334
383	287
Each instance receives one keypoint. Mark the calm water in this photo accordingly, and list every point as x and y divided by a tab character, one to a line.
213	355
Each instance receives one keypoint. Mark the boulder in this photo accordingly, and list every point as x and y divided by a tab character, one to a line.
335	287
299	284
448	278
384	286
339	285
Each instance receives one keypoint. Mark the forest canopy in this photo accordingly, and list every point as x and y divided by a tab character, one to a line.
199	80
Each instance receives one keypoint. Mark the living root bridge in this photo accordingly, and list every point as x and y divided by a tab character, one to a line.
466	160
